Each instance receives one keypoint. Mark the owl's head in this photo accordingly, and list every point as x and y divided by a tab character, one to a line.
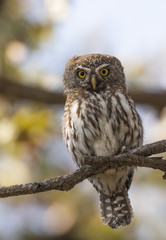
93	72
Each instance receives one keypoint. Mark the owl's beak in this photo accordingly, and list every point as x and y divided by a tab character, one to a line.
94	82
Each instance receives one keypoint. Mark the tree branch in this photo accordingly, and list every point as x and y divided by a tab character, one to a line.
17	91
155	99
137	157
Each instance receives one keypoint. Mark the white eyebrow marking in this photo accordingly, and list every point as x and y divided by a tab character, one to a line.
84	68
102	66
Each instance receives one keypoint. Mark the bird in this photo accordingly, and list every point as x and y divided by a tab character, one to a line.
100	119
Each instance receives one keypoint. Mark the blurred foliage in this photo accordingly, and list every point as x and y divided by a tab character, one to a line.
28	132
18	36
31	146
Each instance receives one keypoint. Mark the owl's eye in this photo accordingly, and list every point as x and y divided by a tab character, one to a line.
81	74
104	72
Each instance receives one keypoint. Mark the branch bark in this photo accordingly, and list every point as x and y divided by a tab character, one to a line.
17	91
137	157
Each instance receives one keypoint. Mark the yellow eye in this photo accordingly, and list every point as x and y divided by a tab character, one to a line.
81	74
104	72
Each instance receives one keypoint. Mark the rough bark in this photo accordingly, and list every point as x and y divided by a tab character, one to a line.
138	157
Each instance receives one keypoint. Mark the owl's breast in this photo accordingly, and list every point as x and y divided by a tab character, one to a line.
100	125
87	128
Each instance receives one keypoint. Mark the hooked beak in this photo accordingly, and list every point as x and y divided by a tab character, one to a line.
94	82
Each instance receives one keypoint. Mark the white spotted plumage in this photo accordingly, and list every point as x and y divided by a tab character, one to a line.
103	123
103	143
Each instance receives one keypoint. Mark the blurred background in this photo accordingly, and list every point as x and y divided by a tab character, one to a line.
37	37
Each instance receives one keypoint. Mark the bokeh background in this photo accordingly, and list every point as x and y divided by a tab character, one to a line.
37	37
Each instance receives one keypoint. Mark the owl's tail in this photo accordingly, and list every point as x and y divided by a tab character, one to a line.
116	210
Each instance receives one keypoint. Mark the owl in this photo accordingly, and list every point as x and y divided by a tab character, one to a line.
100	119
